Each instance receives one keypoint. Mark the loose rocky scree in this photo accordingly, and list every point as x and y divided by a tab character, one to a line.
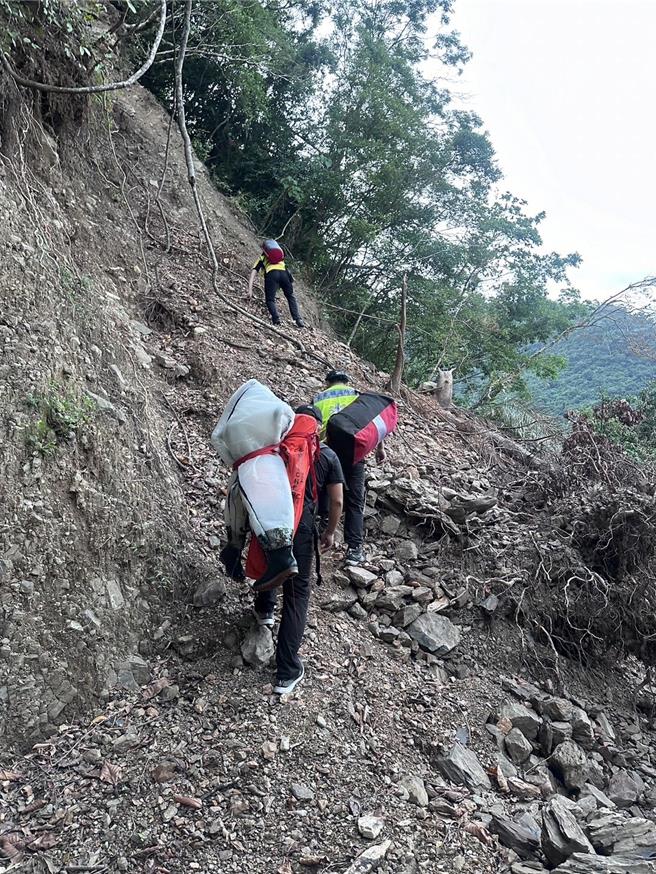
437	729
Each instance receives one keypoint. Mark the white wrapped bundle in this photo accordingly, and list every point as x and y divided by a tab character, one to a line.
253	419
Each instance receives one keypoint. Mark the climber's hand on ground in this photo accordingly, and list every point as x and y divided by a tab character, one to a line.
327	541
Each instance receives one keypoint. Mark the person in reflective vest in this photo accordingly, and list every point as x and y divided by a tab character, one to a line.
339	393
276	275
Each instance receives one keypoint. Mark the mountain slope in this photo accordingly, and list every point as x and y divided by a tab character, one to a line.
614	358
117	359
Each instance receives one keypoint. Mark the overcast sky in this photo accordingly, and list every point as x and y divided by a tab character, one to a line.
567	91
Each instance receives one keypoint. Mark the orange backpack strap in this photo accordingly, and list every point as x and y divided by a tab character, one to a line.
266	450
300	452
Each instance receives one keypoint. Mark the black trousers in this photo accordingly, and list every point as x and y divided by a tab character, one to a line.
354	505
295	599
273	280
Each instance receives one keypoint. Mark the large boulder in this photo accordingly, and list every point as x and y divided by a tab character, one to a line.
521	834
623	790
434	633
562	836
518	748
461	766
581	863
570	764
523	718
612	833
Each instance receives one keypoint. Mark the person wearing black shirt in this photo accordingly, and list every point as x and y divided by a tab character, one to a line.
296	590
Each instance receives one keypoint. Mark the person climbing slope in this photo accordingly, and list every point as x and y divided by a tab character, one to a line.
339	395
324	482
247	437
276	275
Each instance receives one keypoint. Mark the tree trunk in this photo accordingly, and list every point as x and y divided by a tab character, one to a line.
397	373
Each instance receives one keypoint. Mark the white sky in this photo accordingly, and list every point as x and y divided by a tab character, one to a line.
567	91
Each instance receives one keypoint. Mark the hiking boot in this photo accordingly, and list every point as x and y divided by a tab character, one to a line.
230	557
264	619
286	687
300	323
281	565
355	555
275	321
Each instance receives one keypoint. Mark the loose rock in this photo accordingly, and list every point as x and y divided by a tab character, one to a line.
526	720
257	648
370	859
209	593
561	834
416	790
623	790
570	764
461	766
437	634
370	826
521	834
517	746
301	792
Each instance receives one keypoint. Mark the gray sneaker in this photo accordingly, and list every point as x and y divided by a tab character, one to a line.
286	687
264	619
355	555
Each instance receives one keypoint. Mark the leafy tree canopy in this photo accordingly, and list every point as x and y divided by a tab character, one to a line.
324	120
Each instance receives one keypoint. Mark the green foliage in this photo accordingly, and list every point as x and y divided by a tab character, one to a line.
323	121
627	424
62	414
613	357
54	34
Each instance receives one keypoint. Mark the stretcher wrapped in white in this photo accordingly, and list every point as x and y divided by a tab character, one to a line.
253	419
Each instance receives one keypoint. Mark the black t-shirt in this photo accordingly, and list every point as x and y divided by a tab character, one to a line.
328	472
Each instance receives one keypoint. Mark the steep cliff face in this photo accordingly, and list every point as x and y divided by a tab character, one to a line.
95	531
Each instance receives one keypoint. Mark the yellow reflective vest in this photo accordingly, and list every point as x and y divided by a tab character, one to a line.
264	263
332	400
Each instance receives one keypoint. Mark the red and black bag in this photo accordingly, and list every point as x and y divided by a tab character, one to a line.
273	251
357	429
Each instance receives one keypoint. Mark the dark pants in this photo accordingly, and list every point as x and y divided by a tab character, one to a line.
273	280
354	505
295	598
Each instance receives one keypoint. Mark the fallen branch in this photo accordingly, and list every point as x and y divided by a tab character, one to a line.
92	89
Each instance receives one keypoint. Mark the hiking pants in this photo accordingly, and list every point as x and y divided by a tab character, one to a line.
295	599
273	280
354	505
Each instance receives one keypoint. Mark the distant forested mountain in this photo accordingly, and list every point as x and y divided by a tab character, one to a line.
616	357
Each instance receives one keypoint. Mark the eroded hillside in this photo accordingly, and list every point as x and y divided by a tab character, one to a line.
123	645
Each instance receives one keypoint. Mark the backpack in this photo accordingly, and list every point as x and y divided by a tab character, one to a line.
357	429
300	451
273	252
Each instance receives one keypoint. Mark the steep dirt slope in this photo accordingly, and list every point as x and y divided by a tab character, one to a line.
122	643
